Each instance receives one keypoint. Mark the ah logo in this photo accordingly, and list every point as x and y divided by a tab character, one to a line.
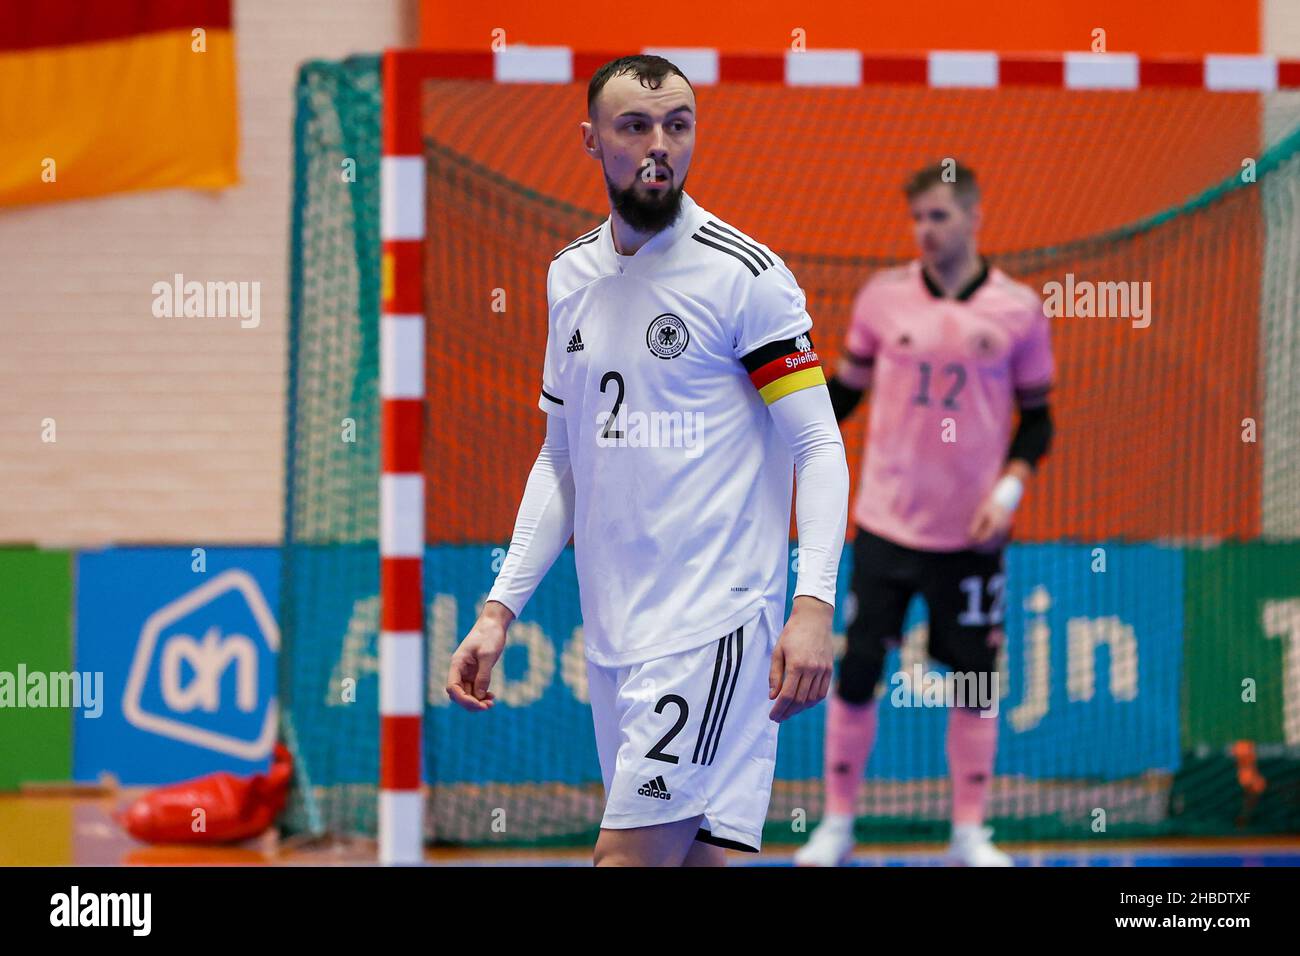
198	646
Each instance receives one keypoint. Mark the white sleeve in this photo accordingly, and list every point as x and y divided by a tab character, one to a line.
544	524
550	400
806	420
773	307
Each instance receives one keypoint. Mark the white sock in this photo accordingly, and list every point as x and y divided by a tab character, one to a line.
838	821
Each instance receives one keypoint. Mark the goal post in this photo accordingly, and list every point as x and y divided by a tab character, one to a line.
401	494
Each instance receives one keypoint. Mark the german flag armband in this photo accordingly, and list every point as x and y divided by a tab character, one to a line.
785	366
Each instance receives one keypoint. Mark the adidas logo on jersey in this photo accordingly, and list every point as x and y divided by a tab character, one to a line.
575	342
656	788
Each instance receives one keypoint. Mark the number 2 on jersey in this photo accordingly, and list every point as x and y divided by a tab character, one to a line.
610	431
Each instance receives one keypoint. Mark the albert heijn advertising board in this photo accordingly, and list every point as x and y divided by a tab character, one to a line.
187	641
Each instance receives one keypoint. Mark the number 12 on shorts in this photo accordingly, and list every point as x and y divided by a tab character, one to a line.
975	588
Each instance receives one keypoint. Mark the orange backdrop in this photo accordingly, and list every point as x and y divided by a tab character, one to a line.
1149	420
1149	27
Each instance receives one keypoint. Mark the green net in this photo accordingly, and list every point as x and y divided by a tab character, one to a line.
329	605
1153	614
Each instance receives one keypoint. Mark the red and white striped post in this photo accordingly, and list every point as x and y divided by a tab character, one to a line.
401	491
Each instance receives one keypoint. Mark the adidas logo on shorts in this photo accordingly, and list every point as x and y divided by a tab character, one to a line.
575	342
656	788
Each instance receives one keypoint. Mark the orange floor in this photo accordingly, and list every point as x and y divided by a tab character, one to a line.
80	831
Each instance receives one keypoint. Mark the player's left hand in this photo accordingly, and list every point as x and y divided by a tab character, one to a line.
803	660
991	521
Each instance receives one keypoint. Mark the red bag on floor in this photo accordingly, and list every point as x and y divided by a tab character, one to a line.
233	808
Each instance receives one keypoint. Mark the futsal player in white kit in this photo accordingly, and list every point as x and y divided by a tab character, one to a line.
682	393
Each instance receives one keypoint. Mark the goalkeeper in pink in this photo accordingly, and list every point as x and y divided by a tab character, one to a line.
952	349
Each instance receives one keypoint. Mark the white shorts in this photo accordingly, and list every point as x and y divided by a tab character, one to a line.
689	735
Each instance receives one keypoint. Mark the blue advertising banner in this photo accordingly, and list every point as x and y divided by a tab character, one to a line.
1090	672
187	641
540	729
1089	686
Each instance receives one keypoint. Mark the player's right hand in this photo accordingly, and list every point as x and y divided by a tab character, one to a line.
471	665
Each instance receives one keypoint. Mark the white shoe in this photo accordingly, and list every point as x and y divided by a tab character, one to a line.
971	846
831	843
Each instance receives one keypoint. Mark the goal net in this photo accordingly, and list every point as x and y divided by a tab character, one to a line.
1152	662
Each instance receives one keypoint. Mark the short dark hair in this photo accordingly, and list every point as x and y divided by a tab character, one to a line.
960	178
649	70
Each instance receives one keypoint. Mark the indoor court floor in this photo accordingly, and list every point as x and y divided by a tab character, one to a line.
78	830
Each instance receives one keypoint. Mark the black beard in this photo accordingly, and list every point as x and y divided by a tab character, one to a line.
646	214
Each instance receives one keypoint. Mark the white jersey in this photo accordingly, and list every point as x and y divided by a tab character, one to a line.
662	364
